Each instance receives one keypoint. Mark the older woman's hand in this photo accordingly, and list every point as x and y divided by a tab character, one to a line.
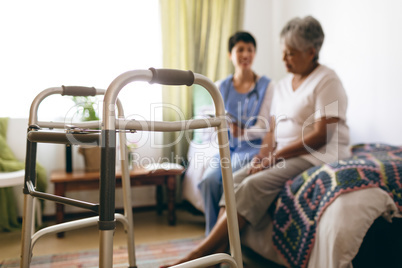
266	157
236	130
255	166
260	163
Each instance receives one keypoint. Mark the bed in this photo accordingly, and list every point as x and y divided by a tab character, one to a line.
322	216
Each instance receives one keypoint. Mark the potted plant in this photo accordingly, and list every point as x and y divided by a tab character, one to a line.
87	111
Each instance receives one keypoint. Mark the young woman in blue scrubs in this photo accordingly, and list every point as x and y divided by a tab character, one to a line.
247	99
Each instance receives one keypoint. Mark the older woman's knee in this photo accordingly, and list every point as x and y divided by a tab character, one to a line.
209	182
255	181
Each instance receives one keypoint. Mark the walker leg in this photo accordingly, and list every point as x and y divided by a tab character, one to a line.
129	229
128	212
228	191
106	248
131	245
37	214
107	222
27	221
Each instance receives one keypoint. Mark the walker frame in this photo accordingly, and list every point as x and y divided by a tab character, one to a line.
107	140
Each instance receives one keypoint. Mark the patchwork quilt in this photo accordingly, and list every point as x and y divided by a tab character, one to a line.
305	198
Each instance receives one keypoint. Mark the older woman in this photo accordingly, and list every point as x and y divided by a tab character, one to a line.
310	109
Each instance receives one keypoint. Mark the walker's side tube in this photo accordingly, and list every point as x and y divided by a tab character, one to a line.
107	172
128	212
227	174
27	220
107	223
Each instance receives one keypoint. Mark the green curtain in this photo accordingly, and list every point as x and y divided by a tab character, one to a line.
194	36
8	163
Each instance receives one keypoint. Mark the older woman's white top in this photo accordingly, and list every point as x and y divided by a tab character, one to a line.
320	95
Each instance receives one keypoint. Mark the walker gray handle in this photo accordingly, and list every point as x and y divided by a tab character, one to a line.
78	91
172	77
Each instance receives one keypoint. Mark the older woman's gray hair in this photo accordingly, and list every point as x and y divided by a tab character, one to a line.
303	33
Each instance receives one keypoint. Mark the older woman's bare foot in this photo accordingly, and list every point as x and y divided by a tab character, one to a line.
191	256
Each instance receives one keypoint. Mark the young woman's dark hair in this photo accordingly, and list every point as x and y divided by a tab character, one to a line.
241	36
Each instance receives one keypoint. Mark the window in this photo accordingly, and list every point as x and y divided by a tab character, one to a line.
49	43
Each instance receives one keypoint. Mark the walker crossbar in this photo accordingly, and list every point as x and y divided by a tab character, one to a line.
64	138
72	225
209	261
130	125
168	126
61	199
62	125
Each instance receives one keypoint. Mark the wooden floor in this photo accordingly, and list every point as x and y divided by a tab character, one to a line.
149	227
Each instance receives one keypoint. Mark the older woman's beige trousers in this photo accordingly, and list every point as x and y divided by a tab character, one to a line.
255	193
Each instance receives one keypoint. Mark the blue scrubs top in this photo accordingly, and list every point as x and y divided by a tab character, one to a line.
243	108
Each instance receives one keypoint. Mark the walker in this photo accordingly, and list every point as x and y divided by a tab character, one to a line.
106	138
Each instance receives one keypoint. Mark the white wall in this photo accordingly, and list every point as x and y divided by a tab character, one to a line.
362	44
49	43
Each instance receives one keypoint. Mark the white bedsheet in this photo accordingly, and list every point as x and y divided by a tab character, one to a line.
198	155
